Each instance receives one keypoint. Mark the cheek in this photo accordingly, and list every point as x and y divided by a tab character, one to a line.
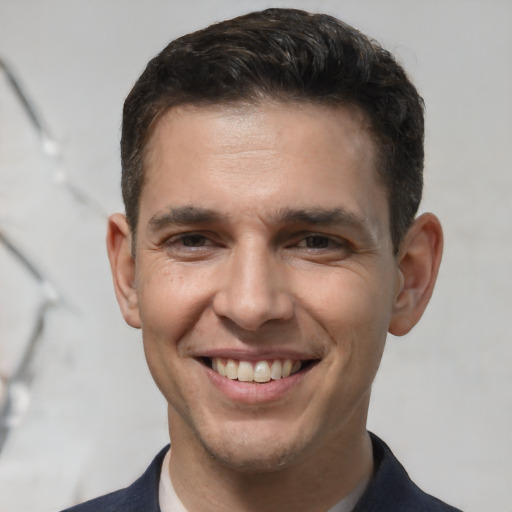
171	301
171	304
353	314
347	300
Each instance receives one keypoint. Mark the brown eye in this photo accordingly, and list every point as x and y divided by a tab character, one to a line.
193	240
317	242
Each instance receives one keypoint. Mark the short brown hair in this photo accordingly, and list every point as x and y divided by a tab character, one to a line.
284	54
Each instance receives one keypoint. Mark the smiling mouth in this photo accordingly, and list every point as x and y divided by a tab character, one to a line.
257	371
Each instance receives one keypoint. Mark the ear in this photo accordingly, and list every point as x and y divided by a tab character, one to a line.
418	260
122	265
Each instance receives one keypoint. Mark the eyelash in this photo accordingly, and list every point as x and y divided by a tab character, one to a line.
201	242
330	242
193	237
181	238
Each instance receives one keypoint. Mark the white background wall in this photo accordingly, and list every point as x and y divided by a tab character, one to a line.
94	419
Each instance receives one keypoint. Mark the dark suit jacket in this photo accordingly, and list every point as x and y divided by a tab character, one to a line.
391	490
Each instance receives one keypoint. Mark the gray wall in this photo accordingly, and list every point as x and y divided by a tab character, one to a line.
88	416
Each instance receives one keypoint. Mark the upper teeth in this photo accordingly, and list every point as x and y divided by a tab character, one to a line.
258	371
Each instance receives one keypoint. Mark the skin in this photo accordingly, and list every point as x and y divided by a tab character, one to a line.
264	233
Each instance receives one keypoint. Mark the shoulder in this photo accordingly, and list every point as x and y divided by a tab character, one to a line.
141	495
392	490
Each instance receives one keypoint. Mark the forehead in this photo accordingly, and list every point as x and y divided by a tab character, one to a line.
348	119
267	118
271	154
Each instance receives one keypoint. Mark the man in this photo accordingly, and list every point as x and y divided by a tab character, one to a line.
272	171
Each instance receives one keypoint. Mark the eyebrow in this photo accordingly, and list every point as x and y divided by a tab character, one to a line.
314	216
183	215
317	216
326	217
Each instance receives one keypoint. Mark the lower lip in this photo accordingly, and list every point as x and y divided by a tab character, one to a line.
253	392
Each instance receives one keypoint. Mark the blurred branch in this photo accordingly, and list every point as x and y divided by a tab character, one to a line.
15	389
51	147
17	394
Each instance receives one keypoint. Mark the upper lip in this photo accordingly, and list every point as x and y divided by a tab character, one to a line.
258	355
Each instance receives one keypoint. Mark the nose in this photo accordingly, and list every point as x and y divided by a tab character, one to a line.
254	289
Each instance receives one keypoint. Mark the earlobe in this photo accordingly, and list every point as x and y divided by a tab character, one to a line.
418	260
122	265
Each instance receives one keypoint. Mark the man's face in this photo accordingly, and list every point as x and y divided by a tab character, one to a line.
263	243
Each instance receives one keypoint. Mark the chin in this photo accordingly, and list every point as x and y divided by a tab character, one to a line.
257	462
254	452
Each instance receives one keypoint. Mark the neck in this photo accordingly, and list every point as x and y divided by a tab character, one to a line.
313	482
